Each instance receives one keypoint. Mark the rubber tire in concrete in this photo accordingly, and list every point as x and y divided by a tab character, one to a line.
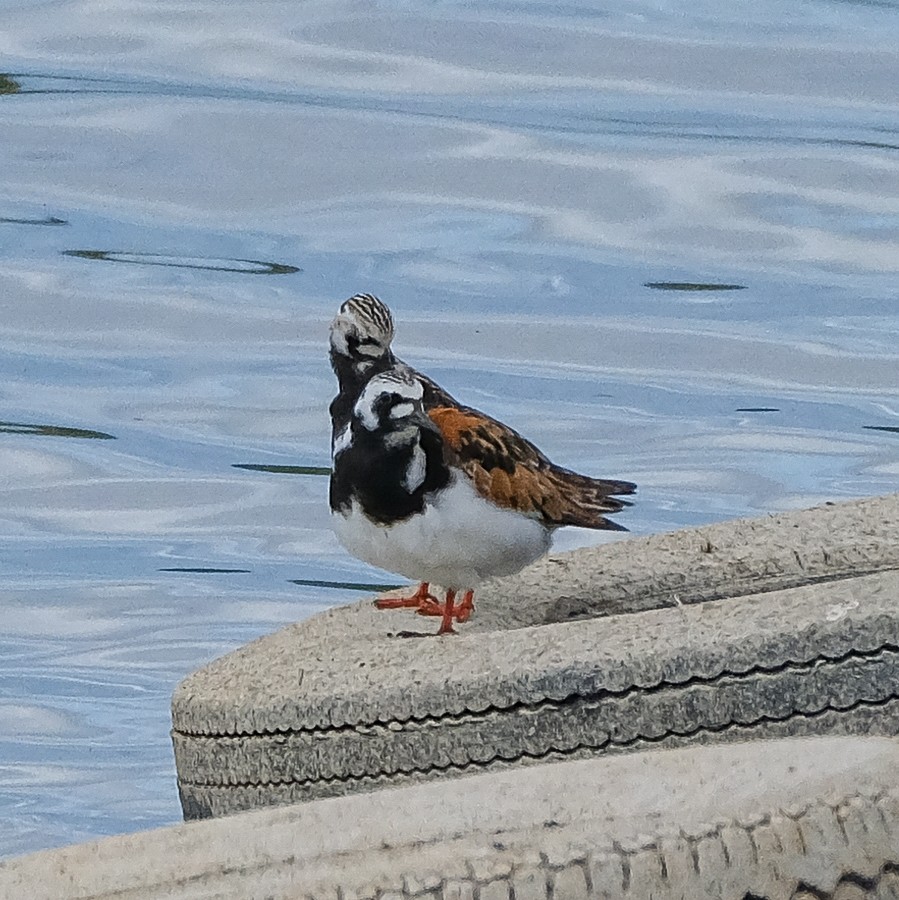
801	819
802	639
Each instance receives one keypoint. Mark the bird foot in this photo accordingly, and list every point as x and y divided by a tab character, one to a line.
426	604
421	597
449	611
461	612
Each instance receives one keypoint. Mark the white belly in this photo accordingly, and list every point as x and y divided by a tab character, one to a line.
457	542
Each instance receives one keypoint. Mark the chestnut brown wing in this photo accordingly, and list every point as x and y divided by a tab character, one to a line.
509	470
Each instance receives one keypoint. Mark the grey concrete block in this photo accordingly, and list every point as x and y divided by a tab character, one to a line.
571	883
459	890
530	884
500	889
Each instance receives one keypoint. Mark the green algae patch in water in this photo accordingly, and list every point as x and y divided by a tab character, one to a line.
54	431
47	220
692	286
210	264
344	585
283	470
9	85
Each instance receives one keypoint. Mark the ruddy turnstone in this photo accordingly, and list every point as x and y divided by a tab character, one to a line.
426	487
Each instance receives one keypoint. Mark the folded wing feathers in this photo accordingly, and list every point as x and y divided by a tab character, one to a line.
584	500
514	474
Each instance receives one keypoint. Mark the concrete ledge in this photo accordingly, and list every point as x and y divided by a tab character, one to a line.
815	818
803	639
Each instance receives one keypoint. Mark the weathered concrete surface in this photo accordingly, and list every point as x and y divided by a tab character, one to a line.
799	819
804	639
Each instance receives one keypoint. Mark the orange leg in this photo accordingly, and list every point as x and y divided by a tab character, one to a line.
466	607
420	599
446	623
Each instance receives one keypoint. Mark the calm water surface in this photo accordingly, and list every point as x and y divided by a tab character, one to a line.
660	239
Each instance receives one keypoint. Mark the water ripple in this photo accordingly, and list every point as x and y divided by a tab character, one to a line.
54	431
242	266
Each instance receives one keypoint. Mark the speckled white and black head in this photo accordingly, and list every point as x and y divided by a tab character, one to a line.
389	455
389	402
361	334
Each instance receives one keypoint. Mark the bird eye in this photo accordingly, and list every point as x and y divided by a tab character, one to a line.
368	346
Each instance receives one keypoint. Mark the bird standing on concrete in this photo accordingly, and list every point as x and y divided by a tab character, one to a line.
433	490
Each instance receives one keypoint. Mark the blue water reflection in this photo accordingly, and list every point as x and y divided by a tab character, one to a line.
538	190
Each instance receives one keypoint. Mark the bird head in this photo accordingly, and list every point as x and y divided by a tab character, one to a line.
360	336
391	403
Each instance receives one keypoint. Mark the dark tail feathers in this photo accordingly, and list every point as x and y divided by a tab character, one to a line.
587	501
